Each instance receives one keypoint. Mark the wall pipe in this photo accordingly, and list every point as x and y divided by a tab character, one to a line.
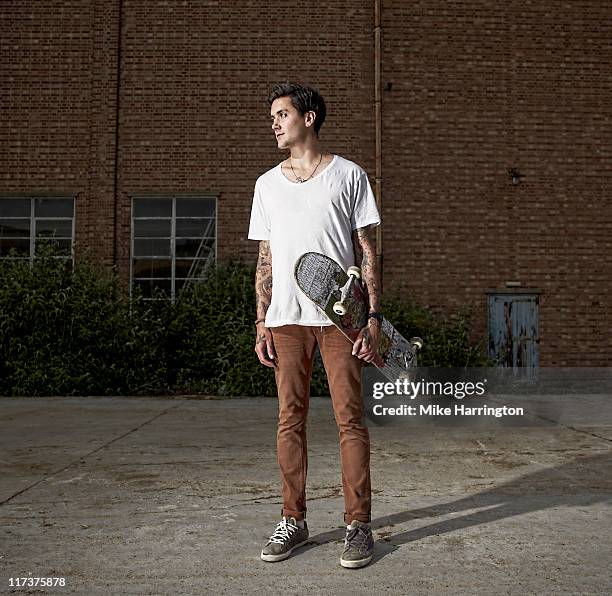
117	122
378	126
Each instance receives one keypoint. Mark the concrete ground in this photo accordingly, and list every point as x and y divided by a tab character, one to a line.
177	496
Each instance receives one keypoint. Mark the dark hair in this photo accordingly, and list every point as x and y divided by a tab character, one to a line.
304	99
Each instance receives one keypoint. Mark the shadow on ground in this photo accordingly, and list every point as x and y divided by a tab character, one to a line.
584	481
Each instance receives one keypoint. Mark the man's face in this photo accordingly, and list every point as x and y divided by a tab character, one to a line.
288	124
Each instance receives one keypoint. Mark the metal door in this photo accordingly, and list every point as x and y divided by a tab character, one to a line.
513	329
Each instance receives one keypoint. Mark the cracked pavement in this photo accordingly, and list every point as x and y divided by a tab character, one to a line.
177	496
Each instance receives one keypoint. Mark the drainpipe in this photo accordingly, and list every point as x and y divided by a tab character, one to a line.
378	124
117	114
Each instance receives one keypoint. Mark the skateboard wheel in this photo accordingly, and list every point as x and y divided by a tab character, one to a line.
417	342
354	271
339	308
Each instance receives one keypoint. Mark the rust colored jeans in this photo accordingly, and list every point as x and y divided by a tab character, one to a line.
295	349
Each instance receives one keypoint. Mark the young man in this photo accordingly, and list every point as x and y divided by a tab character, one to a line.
313	201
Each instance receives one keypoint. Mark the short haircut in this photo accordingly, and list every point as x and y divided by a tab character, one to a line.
304	99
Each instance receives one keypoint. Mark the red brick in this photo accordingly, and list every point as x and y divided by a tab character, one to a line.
475	88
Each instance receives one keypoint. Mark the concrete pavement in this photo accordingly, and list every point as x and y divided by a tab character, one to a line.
177	496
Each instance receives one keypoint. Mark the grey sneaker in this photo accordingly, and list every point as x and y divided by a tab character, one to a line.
287	537
358	546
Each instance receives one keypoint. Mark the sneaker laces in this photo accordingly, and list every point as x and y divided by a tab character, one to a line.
283	532
356	537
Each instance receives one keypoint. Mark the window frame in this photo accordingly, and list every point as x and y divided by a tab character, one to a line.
206	195
33	218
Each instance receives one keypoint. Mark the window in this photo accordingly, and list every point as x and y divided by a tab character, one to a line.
27	223
173	242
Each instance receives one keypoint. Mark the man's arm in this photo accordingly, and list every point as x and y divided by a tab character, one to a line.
263	280
365	257
264	346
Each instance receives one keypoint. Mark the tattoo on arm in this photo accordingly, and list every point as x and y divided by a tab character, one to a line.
263	279
365	257
366	337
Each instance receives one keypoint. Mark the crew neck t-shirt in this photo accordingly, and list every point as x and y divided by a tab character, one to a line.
318	215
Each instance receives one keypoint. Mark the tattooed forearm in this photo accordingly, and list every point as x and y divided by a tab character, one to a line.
263	280
365	257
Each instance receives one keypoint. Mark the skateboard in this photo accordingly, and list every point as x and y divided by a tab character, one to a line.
340	296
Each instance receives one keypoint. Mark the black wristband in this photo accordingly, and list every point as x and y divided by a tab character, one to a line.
376	315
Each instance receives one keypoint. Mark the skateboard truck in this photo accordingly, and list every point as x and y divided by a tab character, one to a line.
354	274
416	343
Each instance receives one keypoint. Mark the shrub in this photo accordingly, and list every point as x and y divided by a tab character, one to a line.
67	331
447	338
212	338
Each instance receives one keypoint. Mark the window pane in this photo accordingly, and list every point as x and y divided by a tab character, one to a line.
147	286
179	284
152	227
22	246
14	207
152	207
190	247
57	227
187	247
195	207
53	207
62	247
195	228
184	267
15	227
152	268
152	247
208	246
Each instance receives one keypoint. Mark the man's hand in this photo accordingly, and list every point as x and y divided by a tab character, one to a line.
264	346
366	344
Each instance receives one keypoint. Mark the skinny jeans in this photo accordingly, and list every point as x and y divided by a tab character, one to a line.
295	347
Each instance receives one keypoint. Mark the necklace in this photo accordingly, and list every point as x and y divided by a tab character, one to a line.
299	178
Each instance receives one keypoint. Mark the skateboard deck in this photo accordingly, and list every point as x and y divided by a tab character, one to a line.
340	296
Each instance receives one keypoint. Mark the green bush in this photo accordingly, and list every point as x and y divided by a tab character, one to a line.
212	338
67	331
447	338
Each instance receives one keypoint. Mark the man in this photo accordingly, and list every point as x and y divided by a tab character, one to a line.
313	201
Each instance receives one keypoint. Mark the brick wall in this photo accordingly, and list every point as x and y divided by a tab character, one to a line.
470	89
195	81
477	88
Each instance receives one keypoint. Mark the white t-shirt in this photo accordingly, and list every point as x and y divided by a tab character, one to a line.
318	215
